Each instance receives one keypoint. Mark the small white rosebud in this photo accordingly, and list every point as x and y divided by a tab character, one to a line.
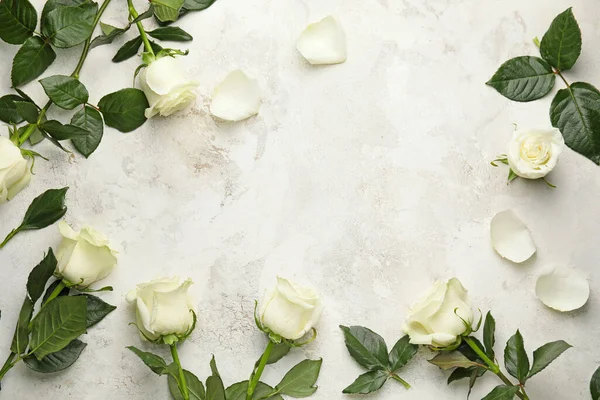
84	257
164	308
441	317
166	87
290	310
14	171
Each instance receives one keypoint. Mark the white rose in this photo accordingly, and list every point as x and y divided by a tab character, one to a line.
163	308
14	171
290	310
532	154
436	319
84	257
166	87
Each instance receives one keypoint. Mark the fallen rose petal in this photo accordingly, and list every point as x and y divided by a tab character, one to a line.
511	238
236	98
563	289
323	42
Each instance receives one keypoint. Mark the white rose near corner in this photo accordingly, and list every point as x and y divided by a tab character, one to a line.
14	171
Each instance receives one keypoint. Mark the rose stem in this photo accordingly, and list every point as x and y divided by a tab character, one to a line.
75	74
134	14
183	387
402	381
259	370
493	366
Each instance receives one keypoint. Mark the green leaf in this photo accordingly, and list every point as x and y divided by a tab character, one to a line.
366	347
45	209
489	335
8	109
31	60
97	309
197	5
89	119
109	34
58	361
64	292
171	33
278	352
39	275
214	388
576	112
145	15
523	79
237	391
451	359
128	50
69	26
402	352
28	111
502	393
300	380
124	109
18	20
195	387
156	48
167	10
595	385
367	383
62	132
515	357
561	44
156	363
472	373
57	324
21	335
54	4
549	352
65	91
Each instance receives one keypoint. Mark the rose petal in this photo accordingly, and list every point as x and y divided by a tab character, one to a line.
236	98
511	238
563	289
323	42
163	75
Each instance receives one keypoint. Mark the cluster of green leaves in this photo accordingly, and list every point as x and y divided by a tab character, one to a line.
43	211
48	342
64	23
574	110
466	363
298	382
370	351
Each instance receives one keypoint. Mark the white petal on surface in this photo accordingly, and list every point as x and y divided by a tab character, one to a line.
323	42
236	98
511	238
563	289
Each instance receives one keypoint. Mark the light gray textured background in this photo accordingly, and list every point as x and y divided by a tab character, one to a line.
369	180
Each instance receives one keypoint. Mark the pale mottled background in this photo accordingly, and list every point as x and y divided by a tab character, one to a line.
369	179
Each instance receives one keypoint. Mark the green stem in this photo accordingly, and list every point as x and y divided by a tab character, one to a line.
525	397
563	78
55	293
86	49
8	364
402	381
134	14
255	378
10	236
183	383
492	365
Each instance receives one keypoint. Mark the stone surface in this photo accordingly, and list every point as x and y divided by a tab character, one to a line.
369	180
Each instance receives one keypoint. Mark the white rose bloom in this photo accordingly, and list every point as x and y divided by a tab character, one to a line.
166	87
163	307
290	310
433	320
14	171
84	257
532	154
